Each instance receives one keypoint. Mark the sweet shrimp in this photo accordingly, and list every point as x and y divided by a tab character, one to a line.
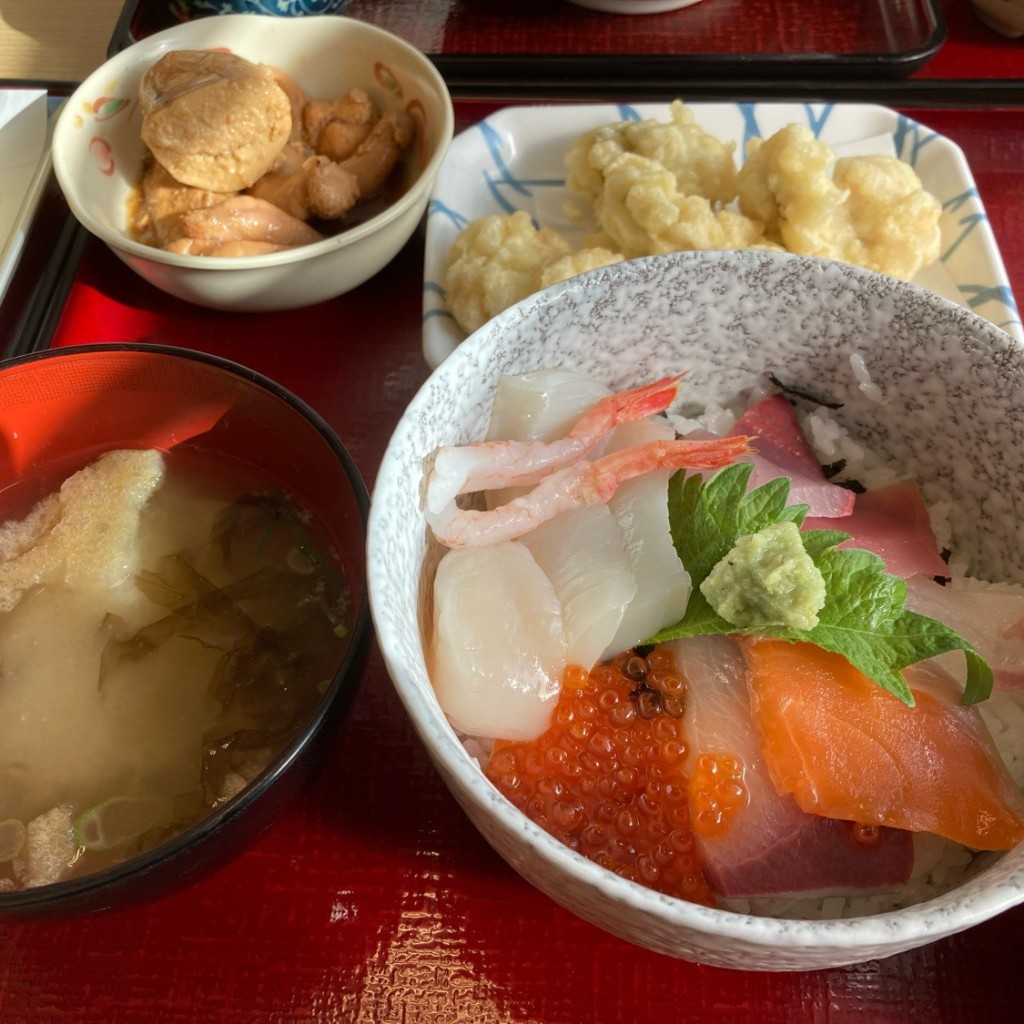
488	465
582	483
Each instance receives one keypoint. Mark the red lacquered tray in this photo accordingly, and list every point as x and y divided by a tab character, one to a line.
372	899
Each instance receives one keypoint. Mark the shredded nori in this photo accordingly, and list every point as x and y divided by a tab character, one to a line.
794	392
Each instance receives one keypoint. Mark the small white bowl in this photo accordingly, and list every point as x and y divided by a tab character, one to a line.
98	154
951	389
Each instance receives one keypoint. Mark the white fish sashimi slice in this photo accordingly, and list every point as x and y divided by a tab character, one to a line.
541	405
991	619
499	643
640	507
583	554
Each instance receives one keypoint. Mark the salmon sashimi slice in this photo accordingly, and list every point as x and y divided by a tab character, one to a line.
845	748
753	840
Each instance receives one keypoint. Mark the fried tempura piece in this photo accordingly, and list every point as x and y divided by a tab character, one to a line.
642	212
212	119
896	221
786	183
496	261
869	211
578	263
700	164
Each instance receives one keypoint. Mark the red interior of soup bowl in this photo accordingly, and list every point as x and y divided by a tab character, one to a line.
61	409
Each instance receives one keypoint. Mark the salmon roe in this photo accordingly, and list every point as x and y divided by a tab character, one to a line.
607	778
717	791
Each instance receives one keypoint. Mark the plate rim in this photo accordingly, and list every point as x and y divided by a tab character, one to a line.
511	121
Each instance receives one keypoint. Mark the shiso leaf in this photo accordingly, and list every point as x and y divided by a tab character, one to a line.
863	619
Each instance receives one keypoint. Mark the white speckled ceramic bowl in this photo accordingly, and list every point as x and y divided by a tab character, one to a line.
98	153
951	387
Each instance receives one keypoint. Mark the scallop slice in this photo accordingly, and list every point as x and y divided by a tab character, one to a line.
583	553
499	642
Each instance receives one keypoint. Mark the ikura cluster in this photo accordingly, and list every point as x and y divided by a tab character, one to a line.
607	777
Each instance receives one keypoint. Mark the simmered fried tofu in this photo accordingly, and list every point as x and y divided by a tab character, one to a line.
213	120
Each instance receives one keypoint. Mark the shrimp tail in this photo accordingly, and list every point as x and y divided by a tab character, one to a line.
626	407
603	476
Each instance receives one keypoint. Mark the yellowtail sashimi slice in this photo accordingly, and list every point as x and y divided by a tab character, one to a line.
753	840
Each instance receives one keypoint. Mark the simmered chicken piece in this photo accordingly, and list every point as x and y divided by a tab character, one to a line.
318	187
336	128
248	219
218	126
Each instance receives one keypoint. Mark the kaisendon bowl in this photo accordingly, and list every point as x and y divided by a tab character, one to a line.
929	385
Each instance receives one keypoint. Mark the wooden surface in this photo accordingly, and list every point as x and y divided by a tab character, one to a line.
55	40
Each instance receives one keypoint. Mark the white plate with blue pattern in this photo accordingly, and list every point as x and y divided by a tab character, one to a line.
514	160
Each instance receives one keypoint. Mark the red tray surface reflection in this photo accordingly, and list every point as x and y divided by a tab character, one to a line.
372	899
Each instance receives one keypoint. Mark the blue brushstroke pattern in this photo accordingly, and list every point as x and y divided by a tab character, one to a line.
911	135
435	206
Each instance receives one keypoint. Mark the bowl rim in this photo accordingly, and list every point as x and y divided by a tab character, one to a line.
901	928
343	683
119	240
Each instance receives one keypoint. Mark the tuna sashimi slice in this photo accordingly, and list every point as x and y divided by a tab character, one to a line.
892	522
992	620
782	450
846	748
769	846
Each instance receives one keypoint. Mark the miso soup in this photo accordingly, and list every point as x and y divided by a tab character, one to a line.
159	647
